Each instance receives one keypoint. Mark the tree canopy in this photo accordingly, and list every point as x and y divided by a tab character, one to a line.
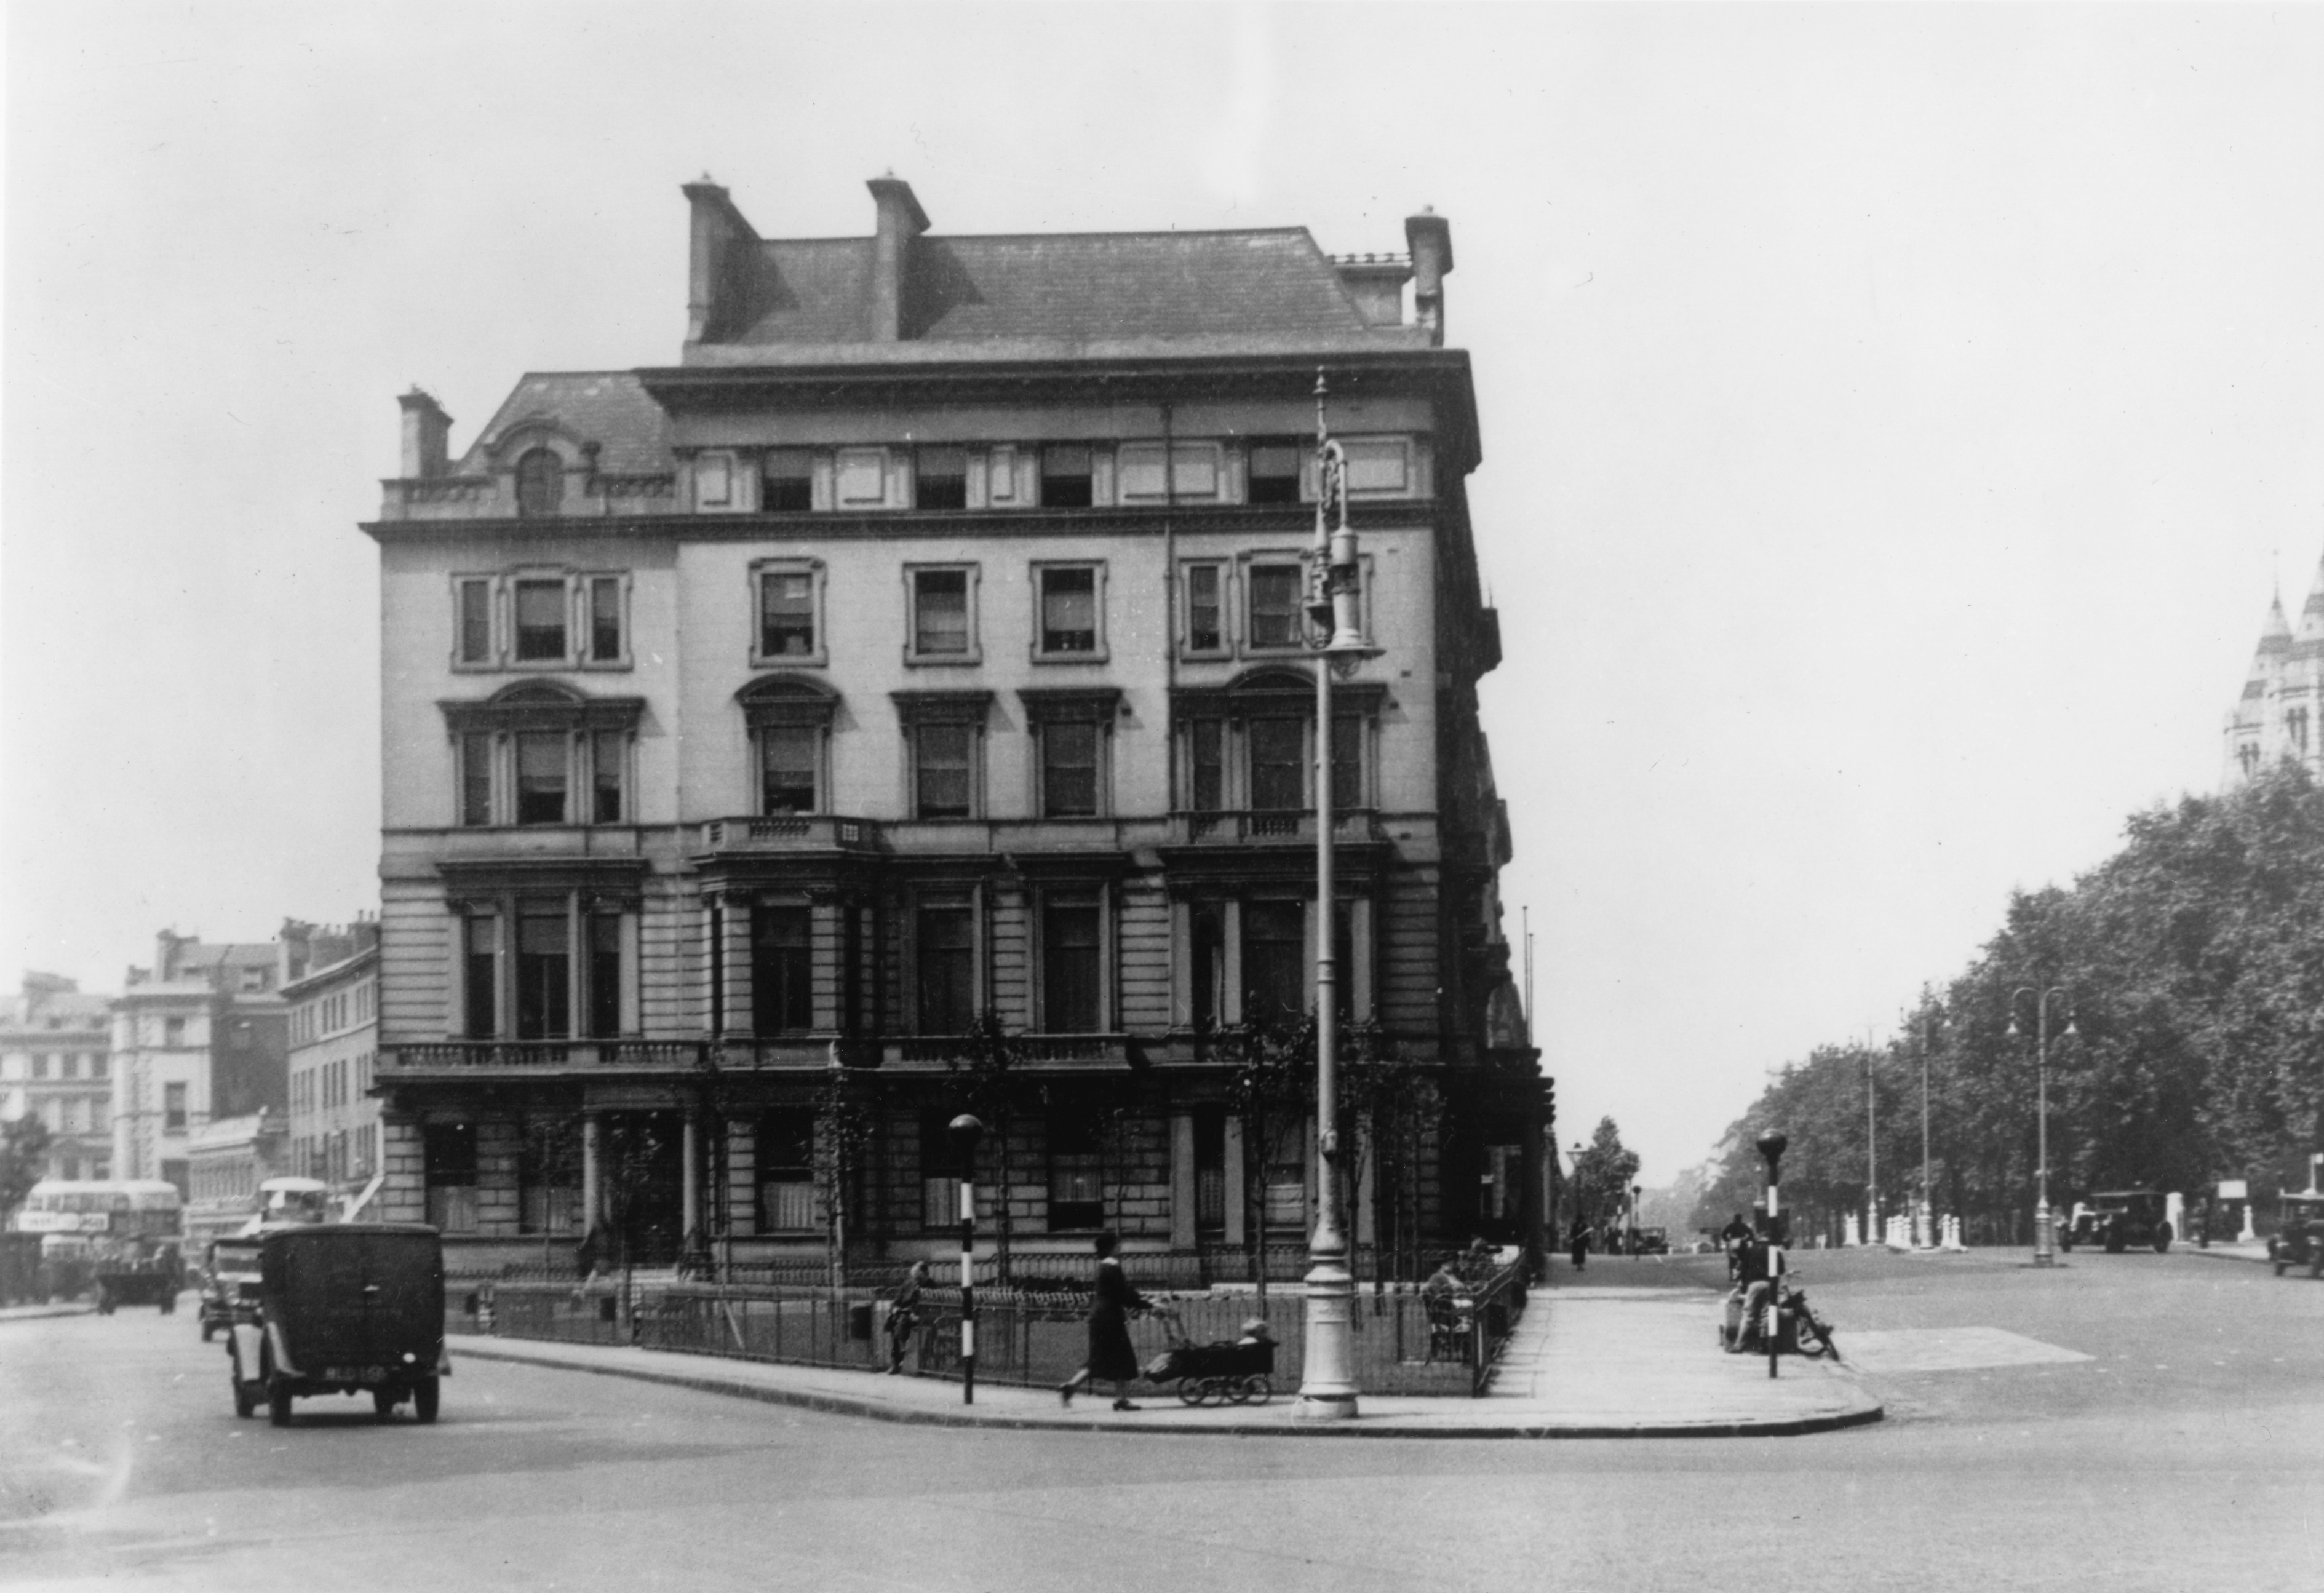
2191	967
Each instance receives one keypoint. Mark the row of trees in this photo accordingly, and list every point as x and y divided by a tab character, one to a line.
2192	966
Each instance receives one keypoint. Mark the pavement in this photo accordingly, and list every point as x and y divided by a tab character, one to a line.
33	1313
2229	1251
1585	1362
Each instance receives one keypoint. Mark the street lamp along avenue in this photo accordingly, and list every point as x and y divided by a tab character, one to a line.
2044	1221
1327	1381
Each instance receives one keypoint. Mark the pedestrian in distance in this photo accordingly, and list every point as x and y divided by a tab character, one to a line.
1111	1356
1578	1238
904	1315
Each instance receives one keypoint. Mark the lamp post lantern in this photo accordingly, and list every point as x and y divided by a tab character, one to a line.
966	1132
2044	1221
1327	1384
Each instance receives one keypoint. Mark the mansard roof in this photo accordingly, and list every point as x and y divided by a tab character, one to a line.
610	408
1066	286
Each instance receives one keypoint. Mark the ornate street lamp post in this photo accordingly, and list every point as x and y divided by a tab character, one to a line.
2044	1221
1327	1385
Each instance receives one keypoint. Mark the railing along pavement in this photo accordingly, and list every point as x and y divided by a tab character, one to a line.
1031	1335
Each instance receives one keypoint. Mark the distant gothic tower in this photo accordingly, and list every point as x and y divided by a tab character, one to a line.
2282	699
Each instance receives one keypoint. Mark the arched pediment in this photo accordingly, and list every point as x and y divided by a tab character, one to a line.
543	705
788	699
535	691
1271	678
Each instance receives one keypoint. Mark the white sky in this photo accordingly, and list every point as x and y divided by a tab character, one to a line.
1894	418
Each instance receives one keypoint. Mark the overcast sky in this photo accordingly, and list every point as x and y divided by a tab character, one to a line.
1895	418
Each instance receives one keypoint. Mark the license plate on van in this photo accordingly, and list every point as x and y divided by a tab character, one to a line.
354	1373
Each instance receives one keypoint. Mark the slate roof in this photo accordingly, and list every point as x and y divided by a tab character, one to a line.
608	408
1074	287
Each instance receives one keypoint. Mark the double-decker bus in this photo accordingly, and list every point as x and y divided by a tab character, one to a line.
89	1223
128	1211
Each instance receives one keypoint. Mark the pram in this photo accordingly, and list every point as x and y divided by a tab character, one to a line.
1227	1372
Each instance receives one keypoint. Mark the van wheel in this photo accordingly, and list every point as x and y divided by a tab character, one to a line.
246	1403
423	1400
278	1404
383	1403
2162	1237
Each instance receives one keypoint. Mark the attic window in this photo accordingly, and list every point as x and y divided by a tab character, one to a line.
1066	476
942	478
539	483
1274	472
787	482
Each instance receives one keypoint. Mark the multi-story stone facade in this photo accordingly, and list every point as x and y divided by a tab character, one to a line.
226	1159
926	647
198	1035
56	1065
333	1047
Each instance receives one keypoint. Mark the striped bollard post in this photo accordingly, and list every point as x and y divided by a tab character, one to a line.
966	1131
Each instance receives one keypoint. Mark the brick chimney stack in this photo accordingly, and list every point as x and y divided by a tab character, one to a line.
900	220
1430	237
426	430
722	262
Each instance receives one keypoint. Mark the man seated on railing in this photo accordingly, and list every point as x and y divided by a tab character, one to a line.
1756	1265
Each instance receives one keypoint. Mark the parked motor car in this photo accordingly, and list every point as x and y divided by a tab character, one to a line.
1653	1241
343	1308
2118	1219
230	1281
2299	1239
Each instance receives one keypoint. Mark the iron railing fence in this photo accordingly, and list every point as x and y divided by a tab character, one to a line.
1031	1338
1202	1268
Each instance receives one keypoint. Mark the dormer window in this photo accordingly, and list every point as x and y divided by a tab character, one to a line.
539	483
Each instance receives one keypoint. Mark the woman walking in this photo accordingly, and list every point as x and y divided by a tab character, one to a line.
1111	1356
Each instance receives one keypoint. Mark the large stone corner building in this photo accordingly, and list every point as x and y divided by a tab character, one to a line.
926	643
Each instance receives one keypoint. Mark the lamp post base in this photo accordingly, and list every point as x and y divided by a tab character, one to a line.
1327	1381
2044	1237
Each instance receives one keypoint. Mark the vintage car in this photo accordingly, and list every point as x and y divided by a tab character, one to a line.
1653	1241
230	1283
138	1274
2299	1239
343	1308
2118	1219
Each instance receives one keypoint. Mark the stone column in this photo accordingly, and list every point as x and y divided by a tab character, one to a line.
690	1160
593	1204
1182	1181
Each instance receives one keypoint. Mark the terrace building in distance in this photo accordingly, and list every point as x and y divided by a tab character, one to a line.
925	650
